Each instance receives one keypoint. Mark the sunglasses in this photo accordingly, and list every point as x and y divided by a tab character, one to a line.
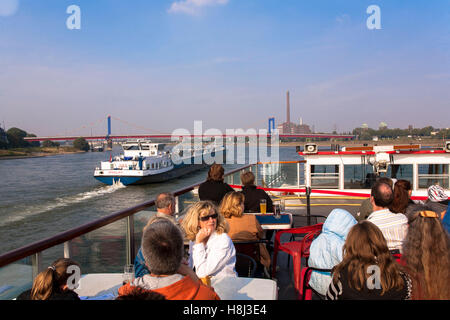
206	218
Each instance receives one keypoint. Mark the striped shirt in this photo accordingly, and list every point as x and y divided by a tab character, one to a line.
394	227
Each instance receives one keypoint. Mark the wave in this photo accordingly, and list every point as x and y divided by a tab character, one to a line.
59	202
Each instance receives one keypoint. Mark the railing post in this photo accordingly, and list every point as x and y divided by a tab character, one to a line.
36	263
308	205
298	174
67	250
130	240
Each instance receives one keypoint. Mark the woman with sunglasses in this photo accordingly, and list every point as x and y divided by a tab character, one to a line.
211	251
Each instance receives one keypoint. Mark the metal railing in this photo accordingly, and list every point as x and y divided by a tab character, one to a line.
75	242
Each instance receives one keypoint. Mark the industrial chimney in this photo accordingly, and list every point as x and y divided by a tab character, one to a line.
288	111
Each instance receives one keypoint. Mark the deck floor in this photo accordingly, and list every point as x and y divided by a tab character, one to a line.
285	275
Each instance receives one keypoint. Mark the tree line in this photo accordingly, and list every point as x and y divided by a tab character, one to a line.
385	133
15	138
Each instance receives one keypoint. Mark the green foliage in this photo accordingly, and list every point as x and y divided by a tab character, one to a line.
50	144
81	144
15	138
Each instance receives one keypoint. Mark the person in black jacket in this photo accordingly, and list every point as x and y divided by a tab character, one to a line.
253	195
214	189
53	283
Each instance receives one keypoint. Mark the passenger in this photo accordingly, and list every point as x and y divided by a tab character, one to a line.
214	189
253	195
437	200
402	197
326	249
165	207
426	254
211	250
53	283
162	246
243	227
393	225
366	255
366	206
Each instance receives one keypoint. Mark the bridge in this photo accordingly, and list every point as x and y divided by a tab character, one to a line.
109	136
169	136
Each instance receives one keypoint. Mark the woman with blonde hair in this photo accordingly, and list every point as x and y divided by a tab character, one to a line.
53	283
426	254
211	251
243	227
368	271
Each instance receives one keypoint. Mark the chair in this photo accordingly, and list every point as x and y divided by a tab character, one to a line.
251	248
245	265
296	249
306	290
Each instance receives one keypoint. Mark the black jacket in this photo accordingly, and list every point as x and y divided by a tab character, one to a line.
213	190
252	198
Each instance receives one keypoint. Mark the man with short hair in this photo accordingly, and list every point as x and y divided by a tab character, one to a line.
162	247
394	226
366	206
165	207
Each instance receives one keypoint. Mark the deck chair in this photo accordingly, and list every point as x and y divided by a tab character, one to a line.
245	265
297	249
306	290
251	249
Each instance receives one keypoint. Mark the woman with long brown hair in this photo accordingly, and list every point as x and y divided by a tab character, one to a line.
402	197
368	270
426	253
53	283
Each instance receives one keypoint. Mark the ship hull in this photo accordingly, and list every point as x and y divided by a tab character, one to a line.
153	178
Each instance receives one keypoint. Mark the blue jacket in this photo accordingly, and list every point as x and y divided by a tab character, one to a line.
446	220
140	269
326	249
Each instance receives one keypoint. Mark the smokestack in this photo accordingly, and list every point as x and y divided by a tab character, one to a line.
288	111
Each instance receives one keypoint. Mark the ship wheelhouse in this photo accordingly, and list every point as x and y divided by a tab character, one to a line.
355	169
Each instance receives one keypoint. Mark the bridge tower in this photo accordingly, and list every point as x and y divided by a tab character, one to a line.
271	121
108	139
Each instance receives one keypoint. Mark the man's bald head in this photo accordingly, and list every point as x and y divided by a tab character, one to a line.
382	194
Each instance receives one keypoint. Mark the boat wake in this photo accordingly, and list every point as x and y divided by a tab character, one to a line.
29	211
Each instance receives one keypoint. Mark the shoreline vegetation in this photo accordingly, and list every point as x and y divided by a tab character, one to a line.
33	152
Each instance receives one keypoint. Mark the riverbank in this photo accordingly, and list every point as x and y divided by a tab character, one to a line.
35	152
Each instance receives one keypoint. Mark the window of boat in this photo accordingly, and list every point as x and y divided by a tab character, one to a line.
360	176
325	176
132	147
145	147
430	174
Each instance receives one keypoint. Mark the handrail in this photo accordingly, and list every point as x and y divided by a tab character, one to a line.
62	237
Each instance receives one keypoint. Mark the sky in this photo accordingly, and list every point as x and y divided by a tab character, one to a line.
156	66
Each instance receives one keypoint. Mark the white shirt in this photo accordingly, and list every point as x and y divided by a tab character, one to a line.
394	227
217	258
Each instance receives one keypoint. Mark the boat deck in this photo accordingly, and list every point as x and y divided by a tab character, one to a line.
320	207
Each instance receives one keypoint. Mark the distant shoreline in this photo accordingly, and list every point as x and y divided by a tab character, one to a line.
36	154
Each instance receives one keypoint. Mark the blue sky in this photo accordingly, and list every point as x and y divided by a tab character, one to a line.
159	65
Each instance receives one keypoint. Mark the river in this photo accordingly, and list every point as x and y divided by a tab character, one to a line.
41	197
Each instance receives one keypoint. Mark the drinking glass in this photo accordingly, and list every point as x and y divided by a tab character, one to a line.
263	206
282	206
128	274
276	211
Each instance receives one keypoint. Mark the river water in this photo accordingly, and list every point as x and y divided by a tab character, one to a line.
41	197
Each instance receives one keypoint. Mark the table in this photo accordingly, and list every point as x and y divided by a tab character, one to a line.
269	222
104	286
